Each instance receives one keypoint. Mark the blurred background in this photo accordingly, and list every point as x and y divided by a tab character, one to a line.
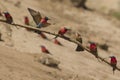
96	20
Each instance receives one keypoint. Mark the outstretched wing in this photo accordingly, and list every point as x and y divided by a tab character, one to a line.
35	15
46	24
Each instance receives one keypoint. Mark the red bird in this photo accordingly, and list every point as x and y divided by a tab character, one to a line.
93	49
57	42
113	62
61	32
26	20
38	19
8	17
42	22
44	50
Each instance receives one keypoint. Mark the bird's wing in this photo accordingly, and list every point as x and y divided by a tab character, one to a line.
46	24
35	15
